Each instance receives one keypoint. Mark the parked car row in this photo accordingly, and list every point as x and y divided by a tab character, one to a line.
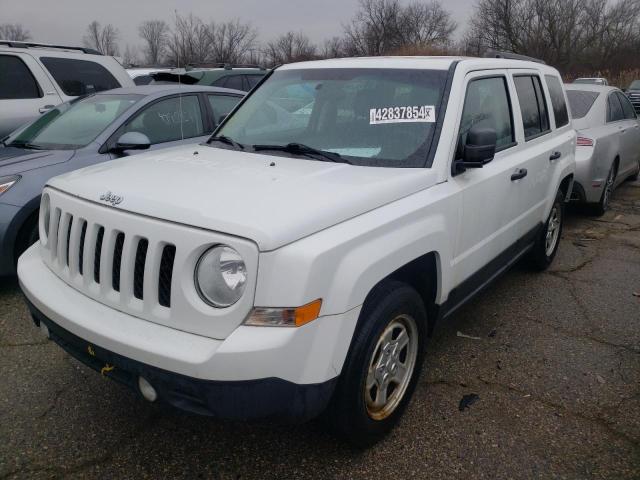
297	261
35	77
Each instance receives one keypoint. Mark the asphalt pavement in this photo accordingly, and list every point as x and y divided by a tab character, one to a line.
553	358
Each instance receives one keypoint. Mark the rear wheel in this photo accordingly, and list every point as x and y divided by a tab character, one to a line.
602	206
383	364
547	241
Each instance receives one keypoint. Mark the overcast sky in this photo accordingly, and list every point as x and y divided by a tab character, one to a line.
65	21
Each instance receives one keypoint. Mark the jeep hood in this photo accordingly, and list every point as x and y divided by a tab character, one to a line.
272	200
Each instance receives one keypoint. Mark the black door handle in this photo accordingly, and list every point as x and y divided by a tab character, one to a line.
520	173
555	156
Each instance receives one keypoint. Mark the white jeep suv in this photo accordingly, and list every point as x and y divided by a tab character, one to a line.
300	258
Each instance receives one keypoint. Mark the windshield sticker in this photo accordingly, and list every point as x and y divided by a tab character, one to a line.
425	113
365	152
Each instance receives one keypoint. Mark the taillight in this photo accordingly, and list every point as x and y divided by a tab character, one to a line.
584	142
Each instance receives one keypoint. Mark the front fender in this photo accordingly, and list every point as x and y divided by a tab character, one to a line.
343	263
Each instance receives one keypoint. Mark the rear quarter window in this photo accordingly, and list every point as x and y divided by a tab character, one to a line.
16	80
79	77
557	100
580	102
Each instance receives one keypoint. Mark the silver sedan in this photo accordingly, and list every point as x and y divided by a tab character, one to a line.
608	145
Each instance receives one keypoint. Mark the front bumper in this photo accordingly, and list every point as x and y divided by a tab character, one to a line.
267	398
254	372
8	232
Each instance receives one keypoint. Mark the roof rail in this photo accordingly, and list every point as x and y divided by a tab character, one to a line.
511	56
14	44
226	66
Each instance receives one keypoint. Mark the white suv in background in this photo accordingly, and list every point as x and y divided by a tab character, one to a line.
35	77
298	260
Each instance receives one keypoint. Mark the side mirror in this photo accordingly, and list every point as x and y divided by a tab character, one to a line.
480	147
132	141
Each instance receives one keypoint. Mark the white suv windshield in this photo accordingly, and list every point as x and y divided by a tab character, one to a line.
375	117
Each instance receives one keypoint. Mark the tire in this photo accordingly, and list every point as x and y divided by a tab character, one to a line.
547	241
27	236
635	176
602	206
392	312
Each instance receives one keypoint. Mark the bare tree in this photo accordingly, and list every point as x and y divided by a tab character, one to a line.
190	41
289	47
130	57
231	41
14	31
569	34
155	34
384	26
103	39
333	48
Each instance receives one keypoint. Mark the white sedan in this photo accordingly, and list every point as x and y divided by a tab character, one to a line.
608	145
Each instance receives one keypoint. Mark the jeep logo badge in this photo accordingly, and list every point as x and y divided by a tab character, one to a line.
111	198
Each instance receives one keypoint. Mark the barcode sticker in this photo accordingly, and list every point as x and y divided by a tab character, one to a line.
425	113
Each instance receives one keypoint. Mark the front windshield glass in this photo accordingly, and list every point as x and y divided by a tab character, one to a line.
635	85
374	117
74	124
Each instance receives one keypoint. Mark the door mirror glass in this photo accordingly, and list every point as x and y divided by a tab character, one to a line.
132	141
480	146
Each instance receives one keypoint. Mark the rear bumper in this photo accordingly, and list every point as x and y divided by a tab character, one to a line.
588	184
267	398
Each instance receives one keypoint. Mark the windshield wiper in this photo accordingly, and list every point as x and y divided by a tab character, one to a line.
302	149
227	140
27	145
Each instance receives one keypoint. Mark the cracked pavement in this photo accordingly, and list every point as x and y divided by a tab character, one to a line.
556	367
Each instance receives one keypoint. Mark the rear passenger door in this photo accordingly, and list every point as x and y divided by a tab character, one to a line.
541	150
25	91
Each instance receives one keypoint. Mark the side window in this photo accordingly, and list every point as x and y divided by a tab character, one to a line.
487	104
614	109
16	80
557	100
142	80
79	77
627	108
253	80
535	118
221	106
161	121
235	82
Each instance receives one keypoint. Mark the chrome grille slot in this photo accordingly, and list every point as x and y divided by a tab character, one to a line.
138	272
166	275
117	261
98	255
83	234
68	240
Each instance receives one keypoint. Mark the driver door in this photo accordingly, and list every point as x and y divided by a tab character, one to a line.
487	228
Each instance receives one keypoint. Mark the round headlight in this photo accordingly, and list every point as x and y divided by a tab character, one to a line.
45	213
221	276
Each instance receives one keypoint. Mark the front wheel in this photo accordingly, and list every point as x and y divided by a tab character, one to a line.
383	364
547	241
